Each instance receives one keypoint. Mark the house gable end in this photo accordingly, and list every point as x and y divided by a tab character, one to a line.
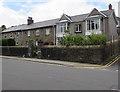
65	18
95	12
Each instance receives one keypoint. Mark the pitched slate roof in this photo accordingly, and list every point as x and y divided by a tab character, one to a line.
32	26
51	22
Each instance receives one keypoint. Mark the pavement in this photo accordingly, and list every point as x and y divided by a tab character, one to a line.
63	63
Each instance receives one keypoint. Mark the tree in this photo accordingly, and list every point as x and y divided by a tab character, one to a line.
3	27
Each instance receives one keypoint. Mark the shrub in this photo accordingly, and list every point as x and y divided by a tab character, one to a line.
118	32
46	43
96	39
7	42
11	42
79	40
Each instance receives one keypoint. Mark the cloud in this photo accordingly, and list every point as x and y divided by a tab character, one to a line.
49	9
10	17
56	8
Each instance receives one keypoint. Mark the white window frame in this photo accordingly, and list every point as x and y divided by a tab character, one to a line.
37	32
79	27
96	31
63	27
47	31
95	21
28	33
36	42
118	25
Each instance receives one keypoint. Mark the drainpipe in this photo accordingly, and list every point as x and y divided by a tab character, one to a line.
22	37
54	34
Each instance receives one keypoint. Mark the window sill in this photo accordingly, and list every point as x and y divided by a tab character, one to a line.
78	31
37	35
47	34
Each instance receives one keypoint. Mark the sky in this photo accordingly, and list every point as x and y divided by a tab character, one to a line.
16	12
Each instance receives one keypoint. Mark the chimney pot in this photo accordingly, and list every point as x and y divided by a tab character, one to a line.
30	20
110	6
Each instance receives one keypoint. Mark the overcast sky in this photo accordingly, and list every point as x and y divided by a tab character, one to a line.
16	12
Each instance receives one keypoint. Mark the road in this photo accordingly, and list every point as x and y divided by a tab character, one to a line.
25	75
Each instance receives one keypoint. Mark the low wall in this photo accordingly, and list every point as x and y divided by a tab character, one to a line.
14	51
85	54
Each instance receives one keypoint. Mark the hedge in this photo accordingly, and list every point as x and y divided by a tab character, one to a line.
7	42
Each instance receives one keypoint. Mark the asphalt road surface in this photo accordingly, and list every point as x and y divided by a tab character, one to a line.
24	75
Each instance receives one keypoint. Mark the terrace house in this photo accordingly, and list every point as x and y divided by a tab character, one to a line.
99	22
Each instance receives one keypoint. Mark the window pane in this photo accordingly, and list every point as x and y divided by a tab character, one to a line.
37	32
47	31
28	33
78	28
92	25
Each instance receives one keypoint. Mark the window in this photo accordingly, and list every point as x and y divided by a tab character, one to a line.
118	25
10	36
17	43
17	34
5	36
28	33
78	28
47	31
37	32
36	42
63	27
93	24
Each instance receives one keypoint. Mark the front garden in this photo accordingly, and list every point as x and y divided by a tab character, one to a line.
79	40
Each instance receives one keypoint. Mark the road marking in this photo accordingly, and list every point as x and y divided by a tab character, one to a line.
104	69
87	65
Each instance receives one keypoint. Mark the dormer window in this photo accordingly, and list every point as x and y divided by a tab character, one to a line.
63	27
93	24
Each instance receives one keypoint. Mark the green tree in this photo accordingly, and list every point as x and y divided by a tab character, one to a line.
3	27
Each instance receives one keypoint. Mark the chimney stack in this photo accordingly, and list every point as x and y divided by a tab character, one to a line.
110	7
30	20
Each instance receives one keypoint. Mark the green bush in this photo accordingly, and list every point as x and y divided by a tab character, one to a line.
79	40
96	39
7	42
118	32
3	42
